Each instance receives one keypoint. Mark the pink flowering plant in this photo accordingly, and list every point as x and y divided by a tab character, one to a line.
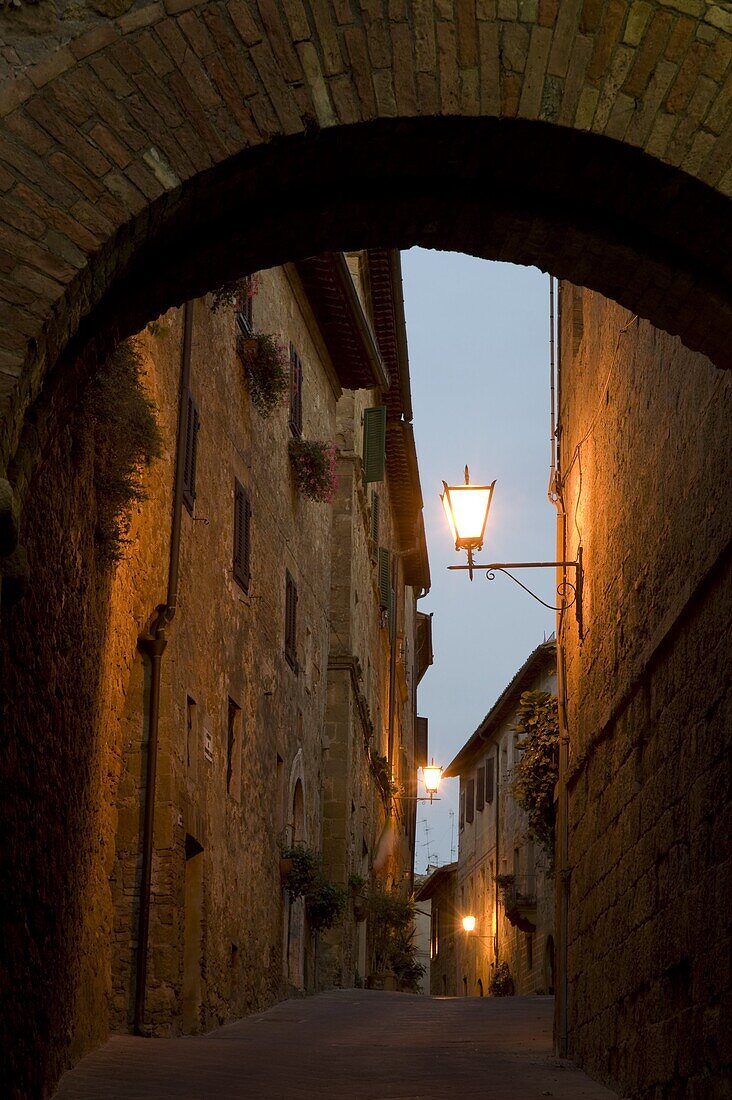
314	464
235	294
266	364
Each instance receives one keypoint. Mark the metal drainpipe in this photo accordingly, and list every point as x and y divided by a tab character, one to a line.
557	498
153	646
498	839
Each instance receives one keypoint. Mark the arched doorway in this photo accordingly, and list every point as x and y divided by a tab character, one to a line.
295	907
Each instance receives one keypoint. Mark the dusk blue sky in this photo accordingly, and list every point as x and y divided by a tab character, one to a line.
479	357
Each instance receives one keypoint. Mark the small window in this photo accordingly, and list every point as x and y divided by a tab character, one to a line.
480	790
193	424
489	776
290	622
233	751
295	393
244	321
242	536
191	737
374	443
470	801
462	810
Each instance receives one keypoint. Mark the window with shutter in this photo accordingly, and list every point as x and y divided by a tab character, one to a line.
193	424
421	741
384	578
470	801
374	443
290	621
462	810
374	516
295	393
391	612
244	313
480	790
489	780
242	536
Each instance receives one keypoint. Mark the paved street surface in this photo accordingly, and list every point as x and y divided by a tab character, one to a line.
344	1044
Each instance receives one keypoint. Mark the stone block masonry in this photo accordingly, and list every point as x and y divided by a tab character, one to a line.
646	454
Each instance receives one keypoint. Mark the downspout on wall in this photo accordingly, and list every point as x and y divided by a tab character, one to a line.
556	497
153	644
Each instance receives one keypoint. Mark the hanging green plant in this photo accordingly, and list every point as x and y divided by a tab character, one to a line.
381	772
325	903
266	364
117	419
302	872
535	775
314	465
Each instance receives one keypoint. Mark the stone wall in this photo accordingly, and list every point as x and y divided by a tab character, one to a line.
361	838
646	457
226	650
68	649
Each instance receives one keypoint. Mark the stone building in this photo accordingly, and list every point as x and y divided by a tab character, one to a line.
439	892
645	480
501	875
238	668
289	688
380	569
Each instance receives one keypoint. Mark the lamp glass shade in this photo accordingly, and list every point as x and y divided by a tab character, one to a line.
466	508
431	776
469	923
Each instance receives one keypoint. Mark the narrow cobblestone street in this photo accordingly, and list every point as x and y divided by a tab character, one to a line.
349	1043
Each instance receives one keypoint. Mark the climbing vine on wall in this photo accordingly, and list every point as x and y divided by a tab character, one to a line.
117	420
535	774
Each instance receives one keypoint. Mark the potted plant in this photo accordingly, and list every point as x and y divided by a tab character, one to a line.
298	869
314	464
395	963
267	369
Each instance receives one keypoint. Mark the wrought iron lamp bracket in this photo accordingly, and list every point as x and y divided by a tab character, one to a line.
570	594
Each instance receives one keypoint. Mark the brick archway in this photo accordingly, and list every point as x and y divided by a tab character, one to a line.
145	157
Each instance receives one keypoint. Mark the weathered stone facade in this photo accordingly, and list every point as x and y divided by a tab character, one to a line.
243	762
439	891
646	463
514	923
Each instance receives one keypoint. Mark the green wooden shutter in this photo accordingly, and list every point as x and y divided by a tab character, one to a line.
489	769
384	577
374	516
242	542
470	801
480	789
374	443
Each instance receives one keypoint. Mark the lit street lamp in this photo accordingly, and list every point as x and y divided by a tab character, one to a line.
469	923
431	776
466	507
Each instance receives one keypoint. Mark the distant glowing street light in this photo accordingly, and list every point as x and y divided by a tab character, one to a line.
431	776
469	923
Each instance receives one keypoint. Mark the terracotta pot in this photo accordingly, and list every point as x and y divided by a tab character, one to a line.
285	868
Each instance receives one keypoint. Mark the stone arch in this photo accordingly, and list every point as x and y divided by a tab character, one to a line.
592	139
